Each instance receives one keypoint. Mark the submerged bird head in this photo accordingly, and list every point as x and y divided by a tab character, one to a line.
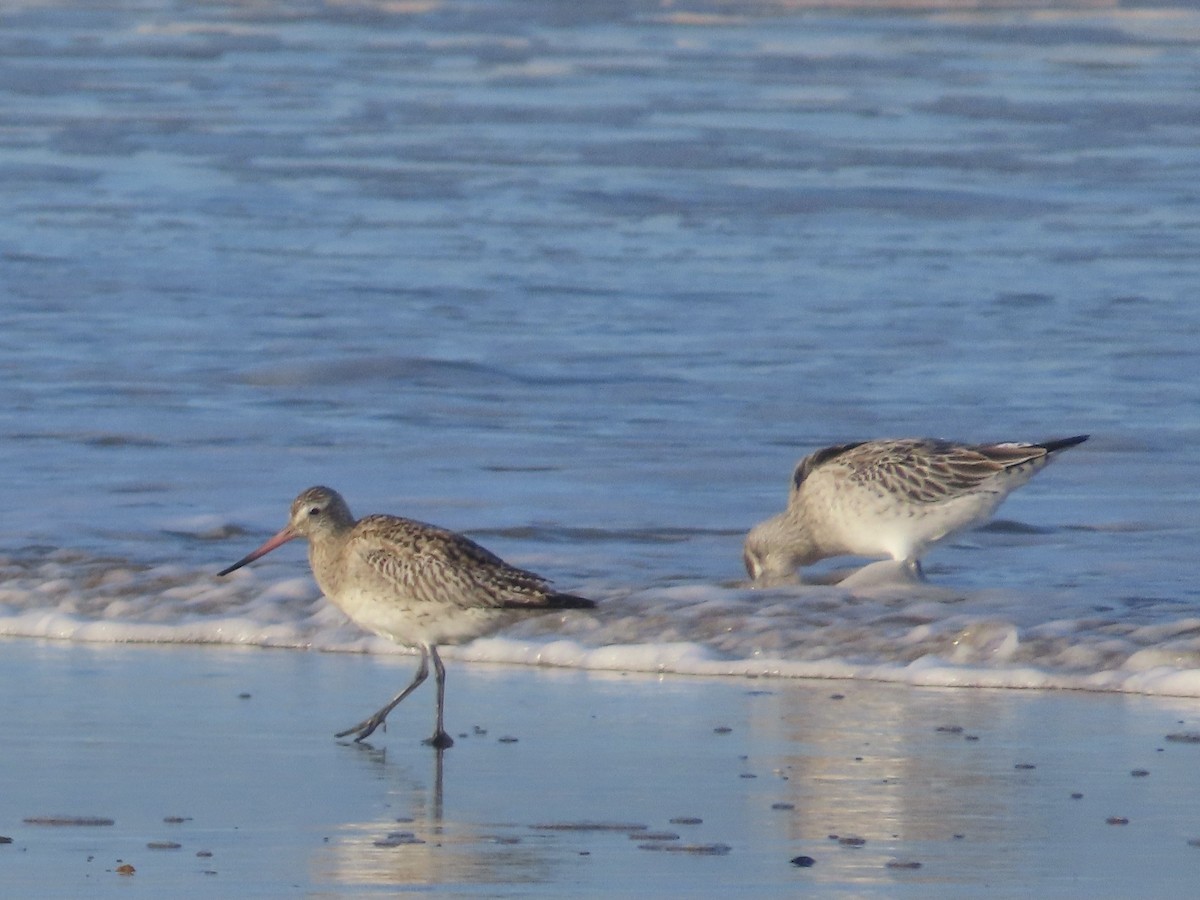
317	511
774	549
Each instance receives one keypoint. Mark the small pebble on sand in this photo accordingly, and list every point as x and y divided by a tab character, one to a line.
693	849
69	821
1184	737
588	826
399	839
803	862
1117	820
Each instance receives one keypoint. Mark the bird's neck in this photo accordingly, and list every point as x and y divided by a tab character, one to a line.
325	552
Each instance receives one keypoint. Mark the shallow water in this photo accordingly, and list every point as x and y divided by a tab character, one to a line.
585	283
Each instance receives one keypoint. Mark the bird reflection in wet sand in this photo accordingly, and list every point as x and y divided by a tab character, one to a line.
416	584
376	757
421	848
439	858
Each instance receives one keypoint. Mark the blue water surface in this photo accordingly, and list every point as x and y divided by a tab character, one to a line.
585	281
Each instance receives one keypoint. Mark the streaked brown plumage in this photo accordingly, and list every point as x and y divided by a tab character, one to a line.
416	584
890	498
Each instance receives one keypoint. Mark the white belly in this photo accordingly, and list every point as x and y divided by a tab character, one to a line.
877	525
411	623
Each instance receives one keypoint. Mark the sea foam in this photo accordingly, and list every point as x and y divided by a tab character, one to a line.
896	631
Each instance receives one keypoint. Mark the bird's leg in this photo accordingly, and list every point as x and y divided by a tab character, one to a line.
364	728
914	566
440	739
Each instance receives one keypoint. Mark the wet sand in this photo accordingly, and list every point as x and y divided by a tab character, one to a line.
212	771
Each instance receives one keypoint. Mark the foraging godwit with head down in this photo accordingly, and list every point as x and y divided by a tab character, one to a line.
416	584
890	498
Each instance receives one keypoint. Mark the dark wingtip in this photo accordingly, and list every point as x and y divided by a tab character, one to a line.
1064	443
570	601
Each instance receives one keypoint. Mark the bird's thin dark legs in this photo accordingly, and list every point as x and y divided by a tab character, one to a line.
440	739
364	728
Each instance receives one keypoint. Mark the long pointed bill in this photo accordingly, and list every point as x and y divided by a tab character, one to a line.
277	541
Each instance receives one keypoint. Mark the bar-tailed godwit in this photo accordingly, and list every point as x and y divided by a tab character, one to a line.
416	584
890	498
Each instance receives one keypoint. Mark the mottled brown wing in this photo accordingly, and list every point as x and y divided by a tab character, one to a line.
441	566
930	471
806	466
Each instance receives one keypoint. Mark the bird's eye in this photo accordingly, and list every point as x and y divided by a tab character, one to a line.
314	511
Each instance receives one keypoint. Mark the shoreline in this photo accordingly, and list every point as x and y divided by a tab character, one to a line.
691	660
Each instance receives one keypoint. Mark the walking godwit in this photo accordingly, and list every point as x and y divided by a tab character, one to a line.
890	498
415	584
